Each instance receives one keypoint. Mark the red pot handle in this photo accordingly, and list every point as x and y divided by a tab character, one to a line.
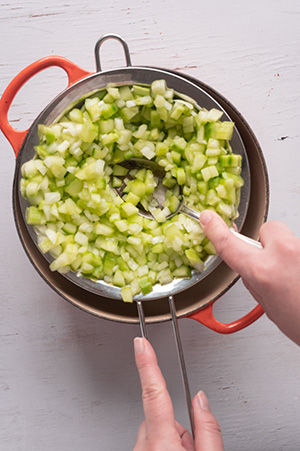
74	72
205	316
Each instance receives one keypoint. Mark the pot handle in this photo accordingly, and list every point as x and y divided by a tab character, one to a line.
205	316
74	72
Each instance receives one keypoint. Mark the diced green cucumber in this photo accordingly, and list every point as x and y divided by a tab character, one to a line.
221	130
87	228
69	228
140	90
33	216
145	284
74	187
89	132
230	160
126	294
106	126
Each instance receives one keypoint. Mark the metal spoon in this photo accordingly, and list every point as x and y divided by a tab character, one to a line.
160	191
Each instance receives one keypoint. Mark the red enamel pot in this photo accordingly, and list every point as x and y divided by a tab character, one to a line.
194	299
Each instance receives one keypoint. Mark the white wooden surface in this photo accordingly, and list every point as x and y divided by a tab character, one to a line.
67	379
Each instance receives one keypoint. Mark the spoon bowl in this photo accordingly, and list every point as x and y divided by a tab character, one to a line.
159	194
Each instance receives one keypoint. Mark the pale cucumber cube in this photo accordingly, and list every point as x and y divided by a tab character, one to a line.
209	172
129	209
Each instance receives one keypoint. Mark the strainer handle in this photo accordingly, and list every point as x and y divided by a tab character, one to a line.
182	364
104	38
74	72
179	352
142	319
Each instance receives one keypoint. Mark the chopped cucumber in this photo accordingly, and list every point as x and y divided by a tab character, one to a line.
88	229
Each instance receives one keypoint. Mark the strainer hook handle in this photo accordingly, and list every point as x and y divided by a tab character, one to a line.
182	363
179	352
104	38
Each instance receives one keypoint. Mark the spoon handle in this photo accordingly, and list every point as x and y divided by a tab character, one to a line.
190	212
196	215
248	240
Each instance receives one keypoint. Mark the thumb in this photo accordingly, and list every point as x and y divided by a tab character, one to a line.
236	253
207	429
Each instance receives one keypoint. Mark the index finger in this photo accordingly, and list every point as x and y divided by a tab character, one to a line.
158	408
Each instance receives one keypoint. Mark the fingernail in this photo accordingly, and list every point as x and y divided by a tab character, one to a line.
203	401
205	217
138	345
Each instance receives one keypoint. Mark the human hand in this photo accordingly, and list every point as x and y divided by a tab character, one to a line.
270	274
159	431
